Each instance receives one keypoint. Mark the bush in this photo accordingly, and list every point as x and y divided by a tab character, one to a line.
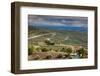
63	50
30	51
48	42
69	50
56	50
48	57
37	49
82	52
59	56
44	50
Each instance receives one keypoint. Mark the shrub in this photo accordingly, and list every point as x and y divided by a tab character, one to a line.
59	56
44	50
56	50
82	52
63	50
69	50
30	51
48	42
48	57
38	49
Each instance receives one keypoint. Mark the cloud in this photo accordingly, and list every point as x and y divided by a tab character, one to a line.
58	20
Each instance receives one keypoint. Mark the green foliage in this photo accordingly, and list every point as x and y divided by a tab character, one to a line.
82	53
44	49
48	57
63	50
69	50
38	49
31	49
56	50
59	56
48	42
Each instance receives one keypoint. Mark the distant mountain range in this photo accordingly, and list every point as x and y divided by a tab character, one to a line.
60	28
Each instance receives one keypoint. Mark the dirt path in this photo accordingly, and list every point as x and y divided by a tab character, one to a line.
41	35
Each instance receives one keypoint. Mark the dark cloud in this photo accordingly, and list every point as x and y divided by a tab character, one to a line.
58	20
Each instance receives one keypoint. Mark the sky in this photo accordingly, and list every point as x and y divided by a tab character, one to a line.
40	20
